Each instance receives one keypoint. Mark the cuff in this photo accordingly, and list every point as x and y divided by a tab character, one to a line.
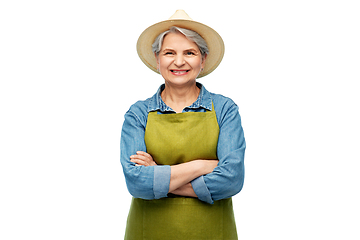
161	181
201	190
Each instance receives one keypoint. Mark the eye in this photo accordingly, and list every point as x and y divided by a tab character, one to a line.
168	53
189	53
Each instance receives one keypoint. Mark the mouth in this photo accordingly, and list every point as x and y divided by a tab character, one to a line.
179	72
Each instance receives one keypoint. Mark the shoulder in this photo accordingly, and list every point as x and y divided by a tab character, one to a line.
139	111
225	107
222	103
222	100
140	107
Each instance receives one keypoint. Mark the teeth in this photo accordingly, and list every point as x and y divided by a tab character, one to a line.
179	71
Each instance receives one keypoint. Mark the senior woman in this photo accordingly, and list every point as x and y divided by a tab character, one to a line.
182	150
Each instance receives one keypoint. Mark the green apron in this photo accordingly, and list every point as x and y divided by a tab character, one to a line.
173	139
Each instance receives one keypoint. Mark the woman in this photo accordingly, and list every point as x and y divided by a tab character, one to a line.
182	150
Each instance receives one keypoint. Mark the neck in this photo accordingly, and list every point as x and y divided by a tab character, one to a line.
179	97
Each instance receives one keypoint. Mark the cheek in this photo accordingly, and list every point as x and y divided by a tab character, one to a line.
163	63
196	64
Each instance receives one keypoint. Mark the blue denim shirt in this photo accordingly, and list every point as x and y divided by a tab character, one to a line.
152	182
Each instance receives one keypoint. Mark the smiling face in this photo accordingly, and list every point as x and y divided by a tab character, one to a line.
179	60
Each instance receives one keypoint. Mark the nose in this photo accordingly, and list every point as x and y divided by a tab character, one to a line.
179	60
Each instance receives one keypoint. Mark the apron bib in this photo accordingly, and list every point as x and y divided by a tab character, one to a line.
173	139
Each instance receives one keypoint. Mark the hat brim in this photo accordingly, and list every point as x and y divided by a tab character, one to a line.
213	39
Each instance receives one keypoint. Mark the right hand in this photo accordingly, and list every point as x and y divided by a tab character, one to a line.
142	159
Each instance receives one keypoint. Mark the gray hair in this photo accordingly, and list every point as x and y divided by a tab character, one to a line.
189	34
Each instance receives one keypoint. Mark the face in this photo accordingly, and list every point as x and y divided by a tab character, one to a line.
179	60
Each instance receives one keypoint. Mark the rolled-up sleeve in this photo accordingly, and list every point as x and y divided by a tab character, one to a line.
201	190
151	182
227	179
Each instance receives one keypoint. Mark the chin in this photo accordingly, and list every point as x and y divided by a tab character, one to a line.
181	81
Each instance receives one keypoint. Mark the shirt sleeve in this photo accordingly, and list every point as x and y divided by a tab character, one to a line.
151	182
227	179
201	190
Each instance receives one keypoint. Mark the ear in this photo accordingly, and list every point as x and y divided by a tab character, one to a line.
203	61
157	61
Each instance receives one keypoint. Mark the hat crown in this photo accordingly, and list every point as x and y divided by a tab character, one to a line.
180	14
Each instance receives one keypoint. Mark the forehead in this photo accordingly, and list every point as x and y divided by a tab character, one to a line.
178	41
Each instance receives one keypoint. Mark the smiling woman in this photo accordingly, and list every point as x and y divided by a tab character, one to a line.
179	62
182	150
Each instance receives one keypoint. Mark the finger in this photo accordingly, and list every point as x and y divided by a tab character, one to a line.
143	158
139	162
144	154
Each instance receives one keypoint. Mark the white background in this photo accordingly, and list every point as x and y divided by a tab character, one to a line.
69	71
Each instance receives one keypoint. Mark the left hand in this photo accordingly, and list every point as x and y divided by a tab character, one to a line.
142	159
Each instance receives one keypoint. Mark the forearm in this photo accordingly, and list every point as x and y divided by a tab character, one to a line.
178	177
185	190
184	173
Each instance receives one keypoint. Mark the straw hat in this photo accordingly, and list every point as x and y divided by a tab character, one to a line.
181	19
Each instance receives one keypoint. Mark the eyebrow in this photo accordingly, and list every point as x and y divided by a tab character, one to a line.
168	49
192	49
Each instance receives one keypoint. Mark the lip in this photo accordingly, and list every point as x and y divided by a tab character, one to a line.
179	72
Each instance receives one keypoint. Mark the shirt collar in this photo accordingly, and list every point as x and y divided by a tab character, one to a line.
203	101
